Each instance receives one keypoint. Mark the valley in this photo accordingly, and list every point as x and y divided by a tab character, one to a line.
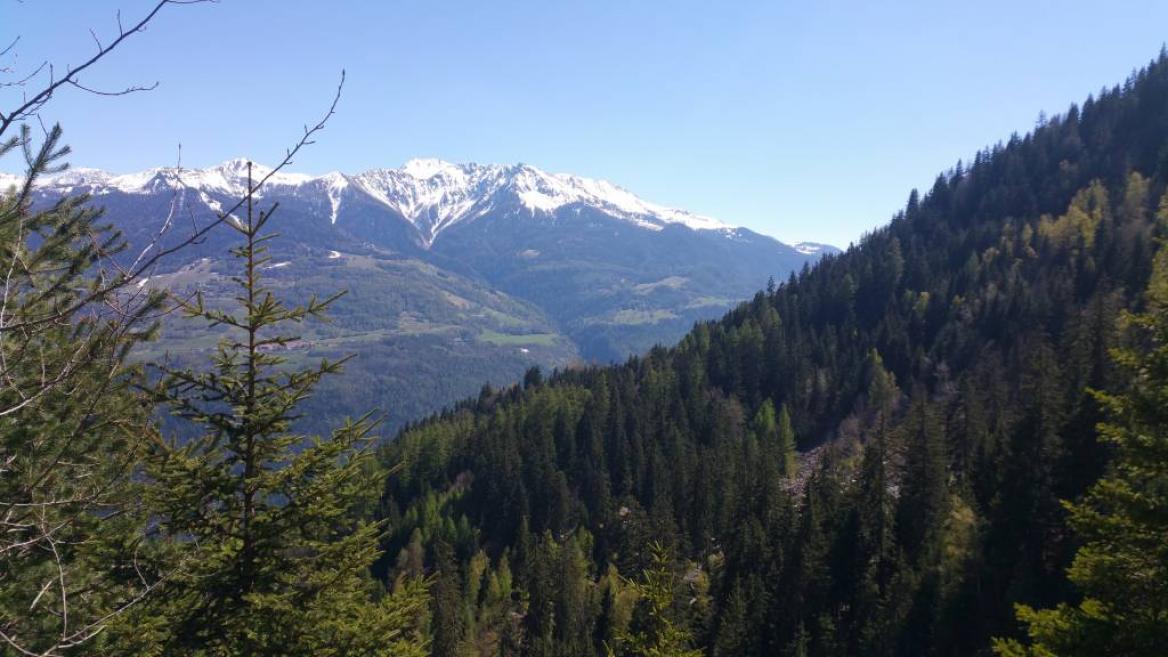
456	276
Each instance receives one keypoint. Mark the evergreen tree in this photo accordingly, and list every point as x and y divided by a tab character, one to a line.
1122	567
875	517
924	483
262	554
788	460
447	603
657	632
734	637
71	428
923	509
914	531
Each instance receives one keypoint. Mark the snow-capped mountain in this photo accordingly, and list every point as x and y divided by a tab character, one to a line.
230	177
457	273
431	195
614	272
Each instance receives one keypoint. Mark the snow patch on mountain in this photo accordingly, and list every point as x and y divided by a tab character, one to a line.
229	178
815	248
424	168
431	194
8	181
335	184
232	176
612	197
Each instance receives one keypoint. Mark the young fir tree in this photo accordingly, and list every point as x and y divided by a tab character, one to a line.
70	425
1122	567
656	632
266	558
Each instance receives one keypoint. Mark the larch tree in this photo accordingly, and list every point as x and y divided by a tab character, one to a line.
656	631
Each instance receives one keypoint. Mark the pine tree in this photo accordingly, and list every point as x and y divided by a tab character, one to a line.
786	443
876	545
924	488
263	556
71	428
448	617
733	636
920	522
1122	567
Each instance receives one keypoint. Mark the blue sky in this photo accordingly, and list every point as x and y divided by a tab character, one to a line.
802	120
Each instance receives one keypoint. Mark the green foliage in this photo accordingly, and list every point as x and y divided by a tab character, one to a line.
657	631
924	495
789	464
71	429
562	601
1122	567
910	526
1089	208
258	546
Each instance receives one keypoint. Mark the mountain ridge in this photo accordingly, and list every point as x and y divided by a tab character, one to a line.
475	271
430	194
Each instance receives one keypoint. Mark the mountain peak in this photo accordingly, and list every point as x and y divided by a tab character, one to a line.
424	168
430	193
238	164
234	174
237	168
434	194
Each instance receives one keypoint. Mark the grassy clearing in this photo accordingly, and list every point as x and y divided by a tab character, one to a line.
630	317
510	339
703	302
670	283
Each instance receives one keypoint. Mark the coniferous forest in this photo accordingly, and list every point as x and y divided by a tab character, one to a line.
951	439
904	450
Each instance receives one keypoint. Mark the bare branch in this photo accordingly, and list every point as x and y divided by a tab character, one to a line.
197	235
7	49
22	81
120	92
37	100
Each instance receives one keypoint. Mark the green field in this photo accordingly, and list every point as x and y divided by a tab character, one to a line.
504	339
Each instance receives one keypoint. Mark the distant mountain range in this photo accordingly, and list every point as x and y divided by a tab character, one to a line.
458	273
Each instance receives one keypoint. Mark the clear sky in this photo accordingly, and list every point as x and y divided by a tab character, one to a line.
806	120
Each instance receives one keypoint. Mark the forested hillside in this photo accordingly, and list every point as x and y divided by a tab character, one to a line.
866	459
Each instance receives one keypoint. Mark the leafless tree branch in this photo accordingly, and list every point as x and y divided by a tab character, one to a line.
197	235
31	104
